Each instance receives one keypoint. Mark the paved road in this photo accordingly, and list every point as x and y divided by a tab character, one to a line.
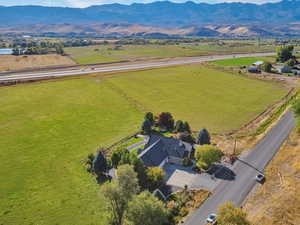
246	169
35	76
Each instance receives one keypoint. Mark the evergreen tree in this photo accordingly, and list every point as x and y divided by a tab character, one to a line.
203	137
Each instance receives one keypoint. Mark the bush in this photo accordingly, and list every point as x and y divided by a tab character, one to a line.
187	162
184	211
228	214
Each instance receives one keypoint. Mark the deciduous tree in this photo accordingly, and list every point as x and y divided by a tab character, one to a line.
155	177
145	209
206	155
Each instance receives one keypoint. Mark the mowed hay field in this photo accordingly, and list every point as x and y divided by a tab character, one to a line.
48	129
205	97
109	53
10	62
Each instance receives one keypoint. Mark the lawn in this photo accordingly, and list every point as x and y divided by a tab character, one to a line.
108	53
49	128
242	61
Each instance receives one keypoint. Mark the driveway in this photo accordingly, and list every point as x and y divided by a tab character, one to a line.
178	176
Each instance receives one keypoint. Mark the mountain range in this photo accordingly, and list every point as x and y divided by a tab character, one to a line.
162	18
158	14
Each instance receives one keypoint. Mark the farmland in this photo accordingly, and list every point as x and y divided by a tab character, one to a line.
242	61
109	53
9	62
49	128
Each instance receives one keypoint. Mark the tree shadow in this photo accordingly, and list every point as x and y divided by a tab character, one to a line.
221	172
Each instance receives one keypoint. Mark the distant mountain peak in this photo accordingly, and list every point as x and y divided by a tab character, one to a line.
158	14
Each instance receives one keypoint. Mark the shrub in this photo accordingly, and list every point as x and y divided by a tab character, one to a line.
187	162
228	214
184	211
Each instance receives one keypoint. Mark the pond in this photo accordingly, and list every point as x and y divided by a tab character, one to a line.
5	51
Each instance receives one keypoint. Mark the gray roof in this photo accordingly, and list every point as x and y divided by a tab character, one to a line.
159	148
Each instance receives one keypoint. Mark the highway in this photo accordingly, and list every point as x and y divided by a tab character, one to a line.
138	66
246	168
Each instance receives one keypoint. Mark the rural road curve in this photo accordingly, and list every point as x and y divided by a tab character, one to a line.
245	169
47	75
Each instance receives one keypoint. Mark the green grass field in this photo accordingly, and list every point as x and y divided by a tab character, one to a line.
106	53
48	129
242	61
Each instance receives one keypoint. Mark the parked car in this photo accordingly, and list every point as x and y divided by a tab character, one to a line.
260	178
212	219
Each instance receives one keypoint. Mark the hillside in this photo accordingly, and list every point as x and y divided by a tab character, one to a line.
161	14
137	30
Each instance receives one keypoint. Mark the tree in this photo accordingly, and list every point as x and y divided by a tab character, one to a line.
146	127
128	181
186	137
186	127
117	203
99	164
230	215
291	62
284	53
267	67
155	177
119	192
150	117
179	126
140	169
145	209
203	137
165	120
206	155
59	49
117	154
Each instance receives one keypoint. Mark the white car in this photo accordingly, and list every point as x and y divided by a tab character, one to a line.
260	178
212	218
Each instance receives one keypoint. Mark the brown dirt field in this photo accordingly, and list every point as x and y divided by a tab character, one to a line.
10	62
277	202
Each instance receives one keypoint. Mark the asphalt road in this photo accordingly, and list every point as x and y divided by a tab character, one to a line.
245	169
55	74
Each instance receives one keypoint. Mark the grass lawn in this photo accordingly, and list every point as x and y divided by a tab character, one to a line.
242	61
48	129
107	53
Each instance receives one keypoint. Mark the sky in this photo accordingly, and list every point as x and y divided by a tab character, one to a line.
86	3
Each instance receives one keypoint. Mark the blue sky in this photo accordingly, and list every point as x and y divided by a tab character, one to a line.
86	3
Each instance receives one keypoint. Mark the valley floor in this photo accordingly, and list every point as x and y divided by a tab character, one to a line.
49	128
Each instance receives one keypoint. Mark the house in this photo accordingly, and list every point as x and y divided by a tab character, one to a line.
255	67
283	69
258	63
160	150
